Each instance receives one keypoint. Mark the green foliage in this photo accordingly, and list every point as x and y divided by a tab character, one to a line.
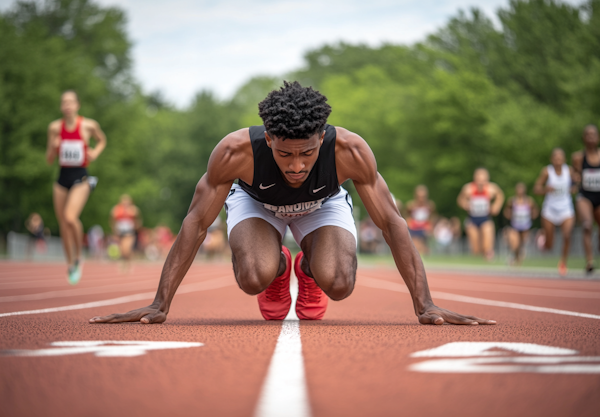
472	94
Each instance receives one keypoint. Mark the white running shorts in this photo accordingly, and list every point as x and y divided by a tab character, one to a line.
337	211
557	217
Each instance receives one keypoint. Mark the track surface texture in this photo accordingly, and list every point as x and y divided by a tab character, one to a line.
368	357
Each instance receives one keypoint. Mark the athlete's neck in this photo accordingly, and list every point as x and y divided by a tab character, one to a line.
70	120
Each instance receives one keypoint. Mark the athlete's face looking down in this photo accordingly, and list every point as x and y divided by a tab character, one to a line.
590	136
521	189
295	157
69	104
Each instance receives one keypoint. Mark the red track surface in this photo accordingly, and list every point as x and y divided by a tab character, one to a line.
356	360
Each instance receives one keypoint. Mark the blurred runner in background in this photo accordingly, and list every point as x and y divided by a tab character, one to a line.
96	241
481	199
35	226
420	211
370	236
556	183
125	221
214	244
587	165
69	139
520	209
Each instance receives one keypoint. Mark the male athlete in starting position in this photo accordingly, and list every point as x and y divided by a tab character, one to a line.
289	173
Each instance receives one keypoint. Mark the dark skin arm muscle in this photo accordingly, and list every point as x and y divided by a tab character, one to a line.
355	160
231	159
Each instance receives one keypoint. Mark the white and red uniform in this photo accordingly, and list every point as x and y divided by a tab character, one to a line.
72	151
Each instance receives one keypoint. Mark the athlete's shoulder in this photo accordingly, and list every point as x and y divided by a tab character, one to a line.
54	125
232	157
89	123
235	142
347	139
353	156
467	188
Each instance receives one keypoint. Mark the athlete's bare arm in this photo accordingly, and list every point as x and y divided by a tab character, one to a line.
498	196
508	208
355	161
463	198
53	141
96	132
577	161
575	179
539	187
231	159
535	210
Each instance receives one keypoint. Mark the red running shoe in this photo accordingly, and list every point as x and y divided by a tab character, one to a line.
275	301
312	301
562	269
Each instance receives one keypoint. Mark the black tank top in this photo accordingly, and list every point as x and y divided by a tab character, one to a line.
590	181
270	188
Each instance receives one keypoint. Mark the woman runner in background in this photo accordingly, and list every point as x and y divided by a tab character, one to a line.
125	221
587	165
476	198
69	139
556	183
520	209
420	211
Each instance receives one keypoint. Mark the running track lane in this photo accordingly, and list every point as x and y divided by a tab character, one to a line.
356	360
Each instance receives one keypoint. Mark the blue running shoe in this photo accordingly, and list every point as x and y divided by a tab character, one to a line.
75	273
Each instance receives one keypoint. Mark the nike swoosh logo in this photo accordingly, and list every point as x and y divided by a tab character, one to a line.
262	187
319	189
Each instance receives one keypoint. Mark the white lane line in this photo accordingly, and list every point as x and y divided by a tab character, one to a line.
184	289
392	286
80	291
101	348
284	391
101	289
514	289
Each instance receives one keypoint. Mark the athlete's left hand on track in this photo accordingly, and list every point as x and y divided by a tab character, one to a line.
437	315
145	315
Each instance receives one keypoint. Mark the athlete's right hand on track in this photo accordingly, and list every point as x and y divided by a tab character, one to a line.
145	315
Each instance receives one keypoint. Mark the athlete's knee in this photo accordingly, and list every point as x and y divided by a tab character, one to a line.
70	220
254	277
341	280
587	225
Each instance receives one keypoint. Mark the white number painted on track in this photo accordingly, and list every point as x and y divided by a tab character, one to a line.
493	357
102	348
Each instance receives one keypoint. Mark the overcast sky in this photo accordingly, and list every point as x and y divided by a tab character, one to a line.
183	46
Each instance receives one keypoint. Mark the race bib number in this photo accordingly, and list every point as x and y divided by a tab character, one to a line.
71	153
421	214
479	207
591	180
125	226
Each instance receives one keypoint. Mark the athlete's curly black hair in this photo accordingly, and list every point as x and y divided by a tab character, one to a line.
294	112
